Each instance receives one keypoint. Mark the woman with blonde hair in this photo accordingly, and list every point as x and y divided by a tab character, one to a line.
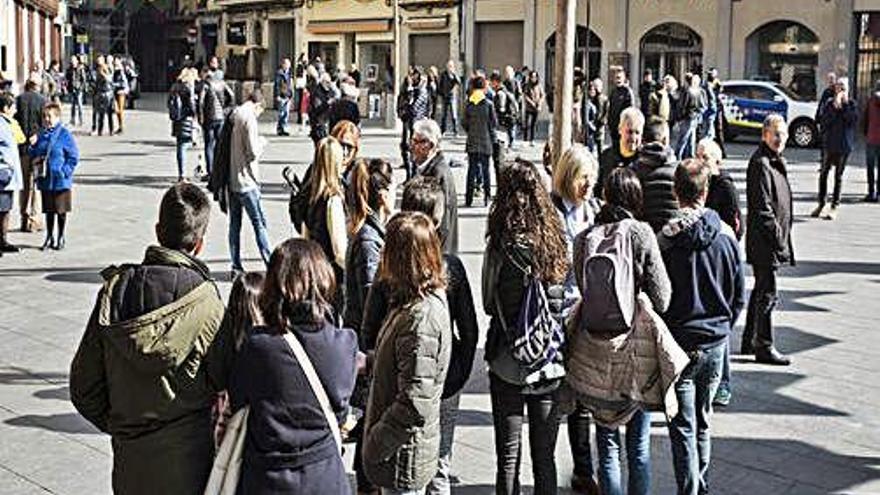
573	178
181	111
325	223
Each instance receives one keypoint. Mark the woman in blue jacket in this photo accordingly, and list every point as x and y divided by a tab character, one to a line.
58	155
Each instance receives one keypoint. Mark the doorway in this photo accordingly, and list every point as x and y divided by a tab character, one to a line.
671	49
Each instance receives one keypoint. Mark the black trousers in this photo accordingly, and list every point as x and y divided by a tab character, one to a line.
838	161
508	405
579	441
762	301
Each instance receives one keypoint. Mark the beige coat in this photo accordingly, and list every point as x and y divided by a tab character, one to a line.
616	377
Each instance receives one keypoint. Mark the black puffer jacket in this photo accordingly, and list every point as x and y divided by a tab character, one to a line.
655	168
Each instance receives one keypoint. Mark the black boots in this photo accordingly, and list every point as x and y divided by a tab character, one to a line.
770	355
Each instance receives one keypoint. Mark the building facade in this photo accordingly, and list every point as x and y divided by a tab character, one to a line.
792	42
30	30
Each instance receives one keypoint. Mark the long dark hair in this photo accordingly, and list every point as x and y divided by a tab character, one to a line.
243	311
368	180
300	285
523	213
412	262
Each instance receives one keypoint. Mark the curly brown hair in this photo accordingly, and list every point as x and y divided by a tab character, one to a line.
523	213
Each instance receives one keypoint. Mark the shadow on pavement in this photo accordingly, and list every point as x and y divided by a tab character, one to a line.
61	423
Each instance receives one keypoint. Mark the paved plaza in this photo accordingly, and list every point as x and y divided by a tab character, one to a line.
811	428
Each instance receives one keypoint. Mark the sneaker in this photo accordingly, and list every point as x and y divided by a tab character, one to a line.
816	213
831	214
722	398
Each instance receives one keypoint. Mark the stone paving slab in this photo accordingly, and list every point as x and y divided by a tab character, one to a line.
808	429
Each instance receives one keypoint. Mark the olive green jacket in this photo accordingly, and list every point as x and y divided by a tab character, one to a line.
149	381
402	429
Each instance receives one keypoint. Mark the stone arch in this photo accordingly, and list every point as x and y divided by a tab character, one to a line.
670	48
784	51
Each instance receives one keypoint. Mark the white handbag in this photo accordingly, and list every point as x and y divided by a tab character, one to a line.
227	465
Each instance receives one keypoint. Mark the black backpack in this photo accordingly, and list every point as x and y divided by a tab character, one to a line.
175	106
298	205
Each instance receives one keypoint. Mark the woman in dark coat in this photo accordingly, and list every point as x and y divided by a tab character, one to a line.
370	200
182	111
57	150
289	447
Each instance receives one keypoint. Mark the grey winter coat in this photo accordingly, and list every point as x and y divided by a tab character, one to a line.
402	429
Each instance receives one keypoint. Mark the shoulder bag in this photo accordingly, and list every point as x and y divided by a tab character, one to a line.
226	470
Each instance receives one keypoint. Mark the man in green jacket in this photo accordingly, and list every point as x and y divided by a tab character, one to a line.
153	357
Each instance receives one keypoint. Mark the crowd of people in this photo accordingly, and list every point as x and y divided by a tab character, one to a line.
364	330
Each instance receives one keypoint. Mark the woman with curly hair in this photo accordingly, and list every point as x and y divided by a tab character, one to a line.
525	237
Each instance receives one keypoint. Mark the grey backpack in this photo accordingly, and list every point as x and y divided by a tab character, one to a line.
608	279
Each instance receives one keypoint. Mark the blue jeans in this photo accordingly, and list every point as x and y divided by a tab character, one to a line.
689	429
638	456
478	172
212	132
283	114
686	145
708	124
182	146
449	107
872	165
725	367
76	107
250	202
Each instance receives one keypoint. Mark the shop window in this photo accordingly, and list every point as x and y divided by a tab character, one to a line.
786	52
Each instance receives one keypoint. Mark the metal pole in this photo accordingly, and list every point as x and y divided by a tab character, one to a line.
397	72
566	11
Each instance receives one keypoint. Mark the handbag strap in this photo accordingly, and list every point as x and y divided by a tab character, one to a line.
321	394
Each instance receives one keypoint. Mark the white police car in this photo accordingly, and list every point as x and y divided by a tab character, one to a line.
747	103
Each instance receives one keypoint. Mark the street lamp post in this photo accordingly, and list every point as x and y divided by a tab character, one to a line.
566	10
391	121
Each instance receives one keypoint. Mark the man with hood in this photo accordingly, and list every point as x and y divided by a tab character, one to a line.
703	262
655	168
154	357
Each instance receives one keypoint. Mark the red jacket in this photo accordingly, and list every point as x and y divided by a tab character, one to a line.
871	121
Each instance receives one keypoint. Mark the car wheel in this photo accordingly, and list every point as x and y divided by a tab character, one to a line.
803	134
